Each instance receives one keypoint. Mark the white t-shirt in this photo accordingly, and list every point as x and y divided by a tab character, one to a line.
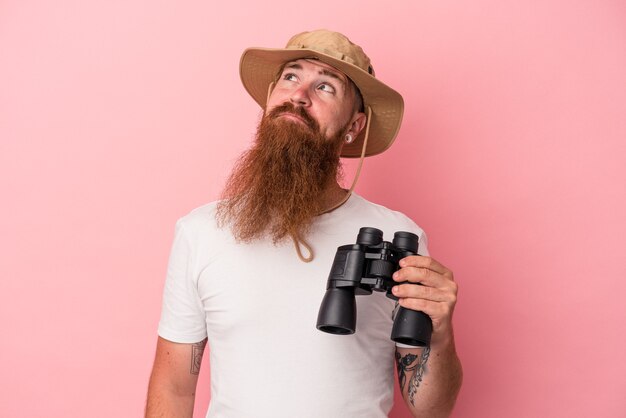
258	303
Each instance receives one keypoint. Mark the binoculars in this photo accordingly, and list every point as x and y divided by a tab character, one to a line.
360	269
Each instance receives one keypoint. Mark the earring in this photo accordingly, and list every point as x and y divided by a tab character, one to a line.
349	139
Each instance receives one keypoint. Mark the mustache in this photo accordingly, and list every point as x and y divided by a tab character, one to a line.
295	110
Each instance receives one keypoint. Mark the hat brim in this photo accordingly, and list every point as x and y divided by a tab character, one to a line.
259	66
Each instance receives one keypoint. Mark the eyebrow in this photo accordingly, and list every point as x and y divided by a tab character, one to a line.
323	71
334	75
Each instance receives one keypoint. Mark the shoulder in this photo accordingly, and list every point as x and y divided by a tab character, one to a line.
198	233
201	214
199	220
384	214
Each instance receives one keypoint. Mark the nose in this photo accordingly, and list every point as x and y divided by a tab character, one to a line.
300	97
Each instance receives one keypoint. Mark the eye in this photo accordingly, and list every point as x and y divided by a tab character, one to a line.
325	87
290	77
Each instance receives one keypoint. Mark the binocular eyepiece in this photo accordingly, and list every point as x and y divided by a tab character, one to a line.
360	269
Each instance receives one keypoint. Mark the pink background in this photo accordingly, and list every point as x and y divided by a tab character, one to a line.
118	117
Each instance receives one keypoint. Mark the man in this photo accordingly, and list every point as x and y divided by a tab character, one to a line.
234	277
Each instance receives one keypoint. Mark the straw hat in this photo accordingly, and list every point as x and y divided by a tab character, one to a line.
259	67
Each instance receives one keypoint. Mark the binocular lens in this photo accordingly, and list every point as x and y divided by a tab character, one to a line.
337	314
412	328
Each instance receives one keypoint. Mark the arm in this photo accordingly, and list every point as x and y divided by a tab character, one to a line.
430	377
172	388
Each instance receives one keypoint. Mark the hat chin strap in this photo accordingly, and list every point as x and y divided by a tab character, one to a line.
362	157
270	88
299	241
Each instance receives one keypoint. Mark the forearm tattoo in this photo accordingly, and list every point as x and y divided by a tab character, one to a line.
413	366
197	350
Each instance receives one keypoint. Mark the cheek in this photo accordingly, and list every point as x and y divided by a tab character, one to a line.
271	103
338	122
330	128
277	97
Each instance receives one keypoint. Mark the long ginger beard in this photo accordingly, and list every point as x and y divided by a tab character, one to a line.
279	185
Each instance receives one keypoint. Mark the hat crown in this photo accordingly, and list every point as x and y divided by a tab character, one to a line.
333	44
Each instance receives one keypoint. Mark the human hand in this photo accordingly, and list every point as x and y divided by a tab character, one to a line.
436	296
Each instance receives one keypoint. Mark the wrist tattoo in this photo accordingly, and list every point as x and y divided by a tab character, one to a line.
413	366
197	350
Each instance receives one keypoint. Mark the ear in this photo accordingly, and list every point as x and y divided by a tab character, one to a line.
357	123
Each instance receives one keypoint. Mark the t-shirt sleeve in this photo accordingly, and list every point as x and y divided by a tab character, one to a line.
182	315
422	248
